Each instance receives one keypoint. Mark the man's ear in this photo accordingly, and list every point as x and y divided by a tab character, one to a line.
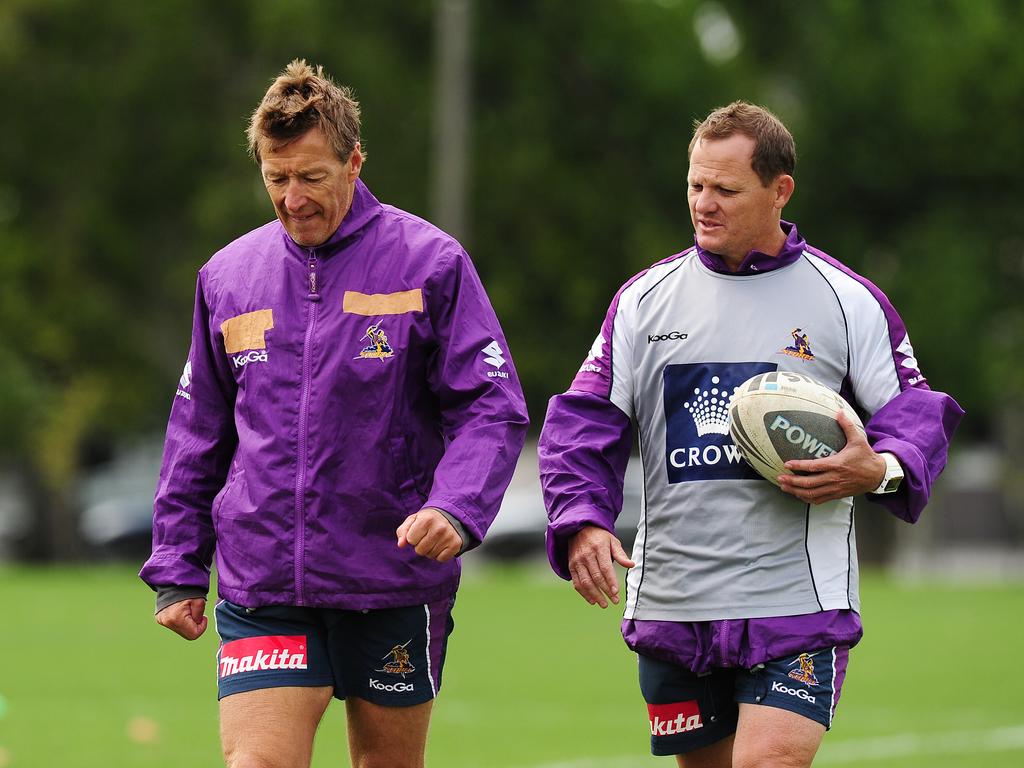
355	163
784	186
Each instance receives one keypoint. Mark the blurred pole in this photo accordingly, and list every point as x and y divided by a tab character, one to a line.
451	117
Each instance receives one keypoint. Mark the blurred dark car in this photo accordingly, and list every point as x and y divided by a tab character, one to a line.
15	517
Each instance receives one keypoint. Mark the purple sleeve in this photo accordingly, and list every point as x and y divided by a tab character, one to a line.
915	426
484	416
198	449
583	452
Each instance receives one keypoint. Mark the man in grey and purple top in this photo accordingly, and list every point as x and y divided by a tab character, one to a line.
347	422
742	598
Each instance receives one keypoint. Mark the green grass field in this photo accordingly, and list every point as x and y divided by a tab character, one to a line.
535	678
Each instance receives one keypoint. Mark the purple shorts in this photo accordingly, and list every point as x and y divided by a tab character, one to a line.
389	656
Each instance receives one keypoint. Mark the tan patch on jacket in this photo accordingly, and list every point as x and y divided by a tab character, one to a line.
372	304
246	331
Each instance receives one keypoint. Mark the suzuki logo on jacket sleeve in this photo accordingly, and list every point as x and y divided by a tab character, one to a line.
909	362
184	381
493	357
596	353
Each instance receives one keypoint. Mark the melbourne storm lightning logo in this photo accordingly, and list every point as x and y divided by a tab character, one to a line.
800	347
378	348
697	443
399	663
805	672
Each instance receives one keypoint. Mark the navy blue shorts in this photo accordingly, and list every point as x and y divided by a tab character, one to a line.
390	656
688	711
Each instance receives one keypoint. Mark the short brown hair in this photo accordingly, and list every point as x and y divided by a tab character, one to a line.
774	148
302	98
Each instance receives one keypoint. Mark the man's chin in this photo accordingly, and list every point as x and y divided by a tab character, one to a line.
305	239
712	244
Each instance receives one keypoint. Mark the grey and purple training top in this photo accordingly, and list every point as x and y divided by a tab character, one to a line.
329	393
716	542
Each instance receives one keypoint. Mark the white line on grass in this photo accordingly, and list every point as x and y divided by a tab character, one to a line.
957	742
859	750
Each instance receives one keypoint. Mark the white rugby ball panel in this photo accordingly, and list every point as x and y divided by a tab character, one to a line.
779	416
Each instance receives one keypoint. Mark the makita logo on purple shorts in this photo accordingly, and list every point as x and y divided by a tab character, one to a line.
671	719
257	654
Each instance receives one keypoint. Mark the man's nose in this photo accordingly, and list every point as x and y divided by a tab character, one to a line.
705	202
294	197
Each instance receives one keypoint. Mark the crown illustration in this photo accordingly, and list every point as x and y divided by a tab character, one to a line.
710	409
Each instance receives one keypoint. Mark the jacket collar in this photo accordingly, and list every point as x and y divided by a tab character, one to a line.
757	262
361	214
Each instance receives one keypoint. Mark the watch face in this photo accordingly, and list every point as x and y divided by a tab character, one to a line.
893	475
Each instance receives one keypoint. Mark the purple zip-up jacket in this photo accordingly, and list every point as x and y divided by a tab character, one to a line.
329	393
701	548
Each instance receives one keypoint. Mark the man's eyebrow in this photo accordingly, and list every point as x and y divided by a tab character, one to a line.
312	169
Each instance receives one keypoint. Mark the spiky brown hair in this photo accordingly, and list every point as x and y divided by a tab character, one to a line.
301	98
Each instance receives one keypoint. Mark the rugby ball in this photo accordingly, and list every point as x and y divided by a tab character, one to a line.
779	416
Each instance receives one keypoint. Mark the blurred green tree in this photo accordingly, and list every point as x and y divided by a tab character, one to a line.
125	169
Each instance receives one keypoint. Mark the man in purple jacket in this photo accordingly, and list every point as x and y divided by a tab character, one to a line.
345	426
742	598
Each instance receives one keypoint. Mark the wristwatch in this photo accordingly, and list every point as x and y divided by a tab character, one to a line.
893	475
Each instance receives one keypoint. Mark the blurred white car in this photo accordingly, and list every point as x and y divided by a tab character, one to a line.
116	500
518	531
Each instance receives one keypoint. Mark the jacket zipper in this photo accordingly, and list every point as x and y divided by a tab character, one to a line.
300	474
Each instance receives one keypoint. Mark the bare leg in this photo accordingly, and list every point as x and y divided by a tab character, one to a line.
271	727
387	737
717	755
768	736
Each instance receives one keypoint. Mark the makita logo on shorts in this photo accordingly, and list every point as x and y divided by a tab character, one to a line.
800	693
673	719
252	356
377	685
257	654
672	336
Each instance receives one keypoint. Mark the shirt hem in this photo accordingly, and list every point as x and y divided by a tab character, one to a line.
730	613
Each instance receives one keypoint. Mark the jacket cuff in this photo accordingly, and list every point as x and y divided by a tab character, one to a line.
468	541
166	596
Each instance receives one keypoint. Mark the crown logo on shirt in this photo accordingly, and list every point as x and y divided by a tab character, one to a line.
709	409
